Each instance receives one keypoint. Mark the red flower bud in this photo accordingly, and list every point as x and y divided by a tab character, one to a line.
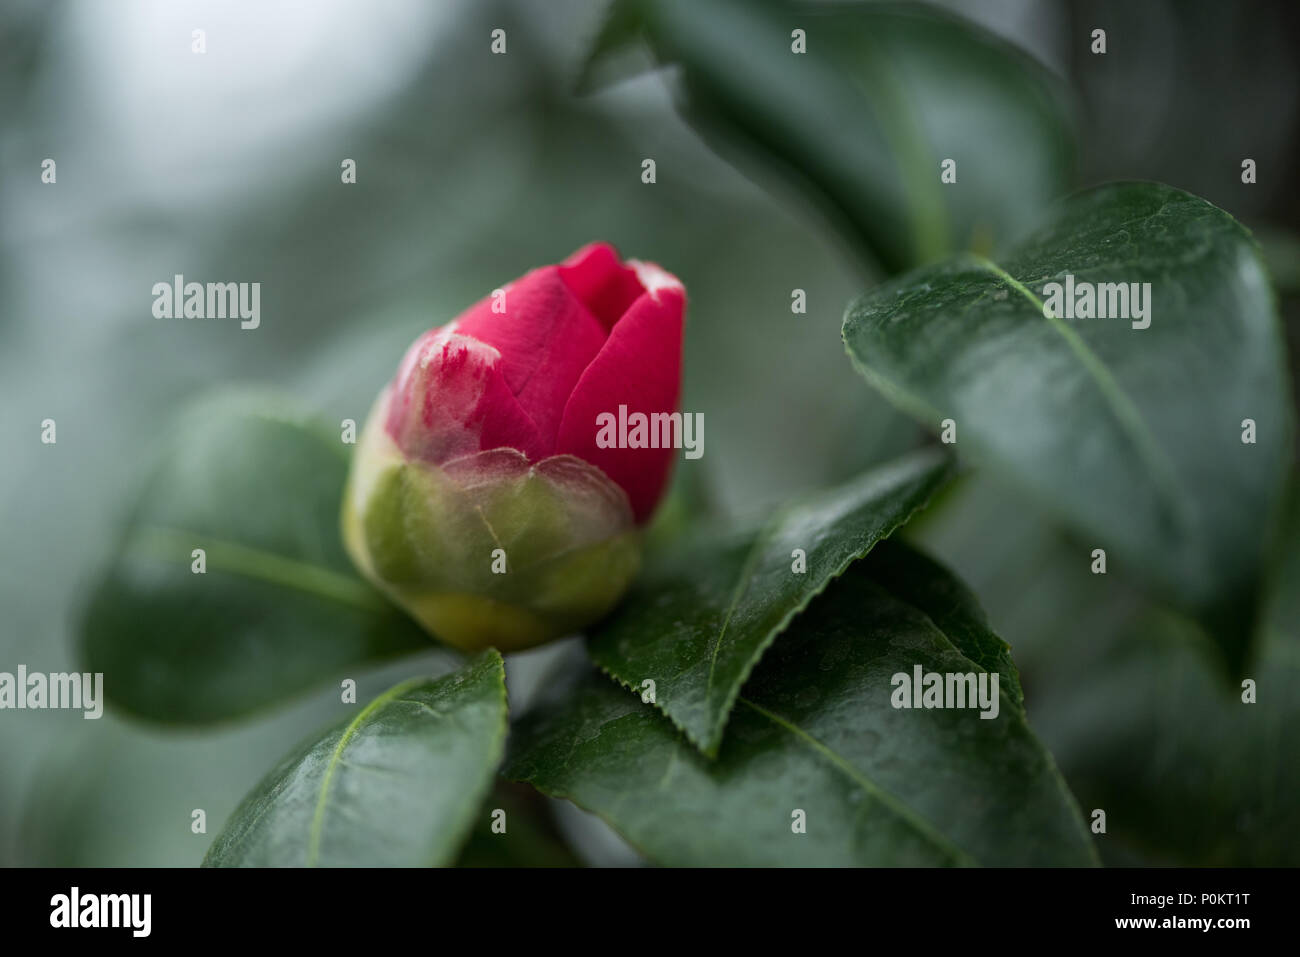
479	496
532	366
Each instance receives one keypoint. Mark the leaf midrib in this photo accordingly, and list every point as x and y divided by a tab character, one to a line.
895	804
174	545
1135	429
1122	407
743	581
318	816
901	810
889	102
710	743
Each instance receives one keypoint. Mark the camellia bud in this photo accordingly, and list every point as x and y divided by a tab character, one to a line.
479	497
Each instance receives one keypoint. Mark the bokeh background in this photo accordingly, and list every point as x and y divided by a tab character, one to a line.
473	168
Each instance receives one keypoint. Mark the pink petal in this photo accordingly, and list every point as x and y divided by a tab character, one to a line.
449	399
545	337
640	367
598	277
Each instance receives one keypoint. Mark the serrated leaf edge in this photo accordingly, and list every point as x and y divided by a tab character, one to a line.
710	747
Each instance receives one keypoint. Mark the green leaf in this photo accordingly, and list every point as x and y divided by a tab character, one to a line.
816	731
1134	704
398	785
279	607
863	120
702	615
1190	772
1133	436
530	837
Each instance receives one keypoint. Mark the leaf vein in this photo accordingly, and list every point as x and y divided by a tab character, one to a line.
1123	408
318	817
921	826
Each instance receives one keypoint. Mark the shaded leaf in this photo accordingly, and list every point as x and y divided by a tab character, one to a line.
1201	771
279	607
527	836
1134	704
884	94
702	615
815	731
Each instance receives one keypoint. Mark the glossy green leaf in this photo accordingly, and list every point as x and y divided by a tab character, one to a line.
704	612
1133	435
815	731
399	784
864	119
278	608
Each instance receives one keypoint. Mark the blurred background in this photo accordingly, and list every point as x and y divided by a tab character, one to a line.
471	169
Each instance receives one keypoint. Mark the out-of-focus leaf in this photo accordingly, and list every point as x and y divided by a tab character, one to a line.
1188	770
1132	435
122	793
700	618
815	732
515	829
1132	702
864	119
399	784
279	607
